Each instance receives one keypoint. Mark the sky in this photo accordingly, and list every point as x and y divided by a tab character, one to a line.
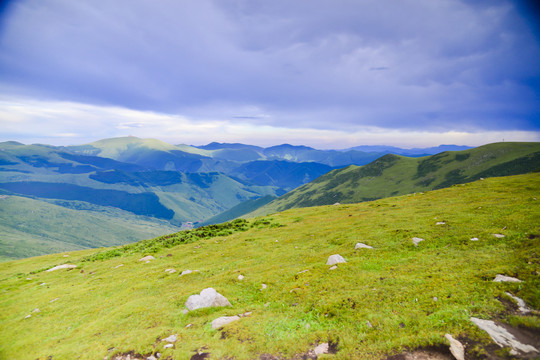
322	73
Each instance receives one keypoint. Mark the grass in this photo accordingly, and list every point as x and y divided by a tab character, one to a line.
107	309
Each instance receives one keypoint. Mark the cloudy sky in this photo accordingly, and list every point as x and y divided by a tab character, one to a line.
324	73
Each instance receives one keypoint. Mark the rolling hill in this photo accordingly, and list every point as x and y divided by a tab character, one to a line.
394	301
393	175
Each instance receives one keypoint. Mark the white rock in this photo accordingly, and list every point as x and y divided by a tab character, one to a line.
504	278
499	235
35	310
333	267
188	325
171	338
240	277
28	279
53	300
456	348
336	204
502	337
474	239
207	298
335	259
170	271
263	286
321	349
27	316
65	266
147	258
151	357
369	324
224	320
440	223
65	255
417	240
362	246
168	346
185	272
523	308
117	266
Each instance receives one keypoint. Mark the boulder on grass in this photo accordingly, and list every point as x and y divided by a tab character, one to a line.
335	259
207	298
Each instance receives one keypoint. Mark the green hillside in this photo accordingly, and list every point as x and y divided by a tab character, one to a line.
31	227
393	298
393	175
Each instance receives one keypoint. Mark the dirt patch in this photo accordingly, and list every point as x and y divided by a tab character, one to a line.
432	353
200	356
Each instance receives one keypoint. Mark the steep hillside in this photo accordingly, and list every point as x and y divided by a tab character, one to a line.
393	175
31	227
383	301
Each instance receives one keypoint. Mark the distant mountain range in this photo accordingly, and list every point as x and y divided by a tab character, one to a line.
169	185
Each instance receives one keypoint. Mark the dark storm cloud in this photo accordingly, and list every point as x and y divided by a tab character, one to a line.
324	64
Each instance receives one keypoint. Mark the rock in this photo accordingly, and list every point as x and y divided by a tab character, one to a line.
171	338
185	272
435	298
499	235
35	310
246	314
224	320
369	324
168	346
170	271
502	337
65	266
440	223
336	204
158	355
333	267
417	240
263	286
117	266
504	278
523	308
321	349
303	271
335	259
362	246
27	316
185	311
207	298
53	300
456	348
151	357
240	277
474	239
147	258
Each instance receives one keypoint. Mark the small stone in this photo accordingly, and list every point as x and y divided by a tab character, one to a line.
224	320
417	240
151	357
158	355
456	348
65	266
168	346
333	267
27	316
53	300
504	278
307	326
246	314
369	324
522	307
263	286
303	271
65	255
335	259
117	266
147	258
28	279
168	255
321	349
499	236
240	277
266	305
170	271
474	239
185	272
35	310
362	246
440	223
336	204
435	298
171	338
188	325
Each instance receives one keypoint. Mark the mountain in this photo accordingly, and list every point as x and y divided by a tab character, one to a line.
393	175
395	301
384	149
30	227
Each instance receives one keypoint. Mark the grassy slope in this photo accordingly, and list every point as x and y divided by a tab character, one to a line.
393	175
392	286
31	227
